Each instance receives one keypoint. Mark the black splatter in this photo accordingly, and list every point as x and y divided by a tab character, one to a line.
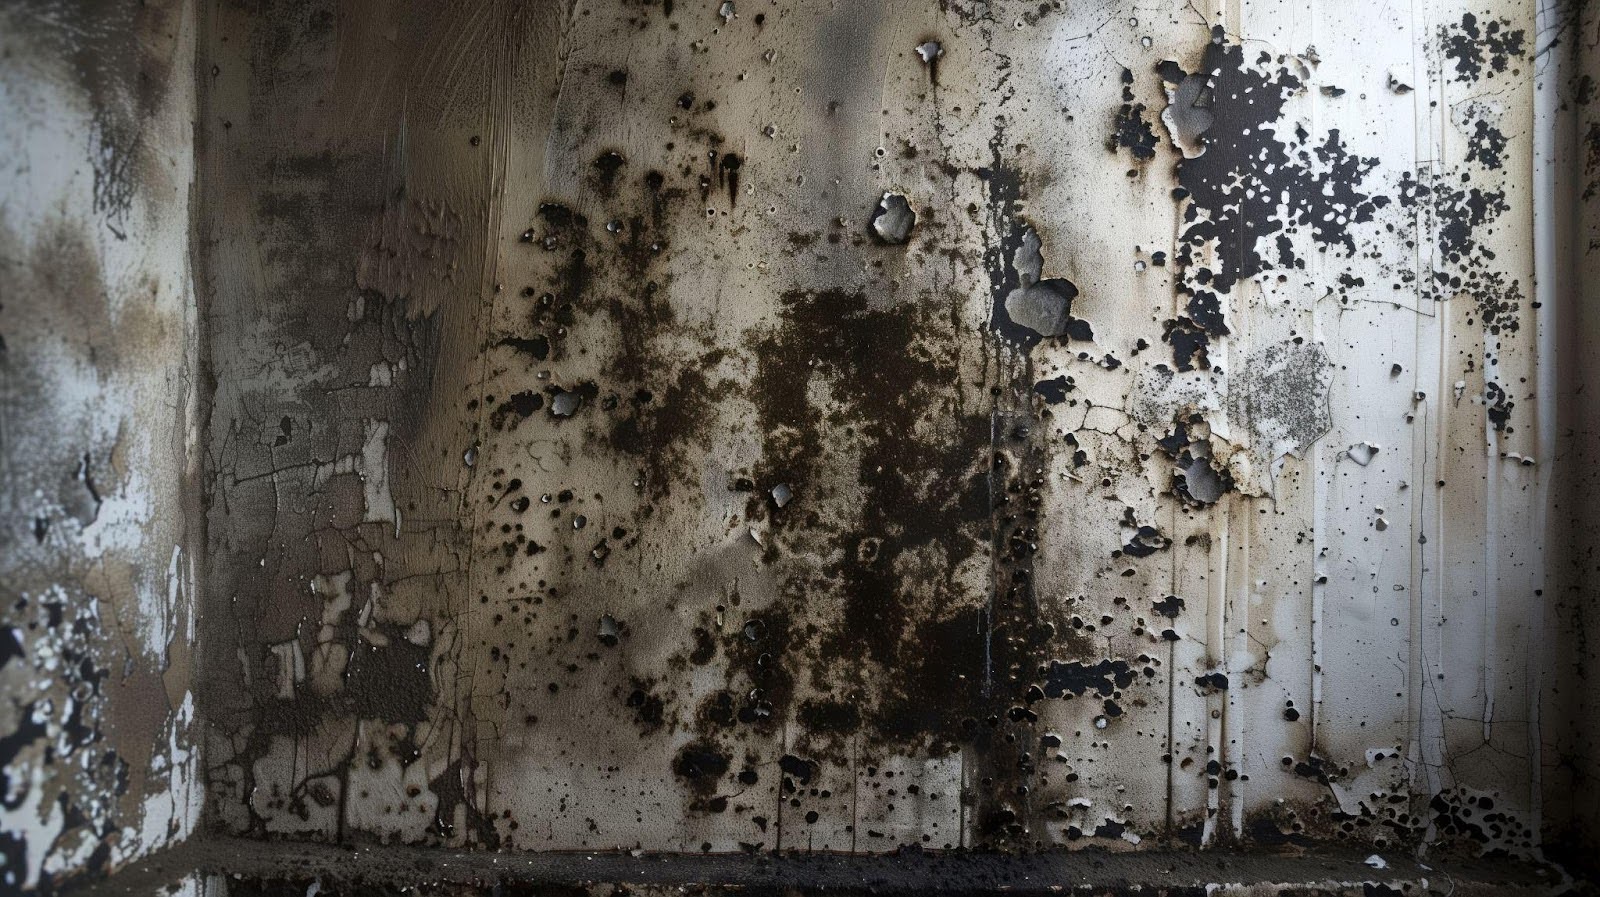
1132	130
1054	391
1486	145
1253	186
1104	678
1472	46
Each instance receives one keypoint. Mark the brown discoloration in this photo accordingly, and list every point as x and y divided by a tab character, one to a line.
359	325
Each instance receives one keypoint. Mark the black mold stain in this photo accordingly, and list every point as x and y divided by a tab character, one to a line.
728	174
1131	130
1458	813
1486	145
388	677
538	347
661	397
1465	215
607	169
515	408
1498	406
1253	183
917	495
702	765
1147	540
1004	186
1105	678
1481	49
1054	391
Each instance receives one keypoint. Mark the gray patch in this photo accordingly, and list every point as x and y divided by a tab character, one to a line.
782	494
893	220
1043	307
1188	114
1363	452
1201	480
1280	398
565	403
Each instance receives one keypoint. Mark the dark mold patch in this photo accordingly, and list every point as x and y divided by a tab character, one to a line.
1105	678
1466	215
515	408
1498	406
608	168
1486	145
388	677
702	765
1250	183
1460	813
1054	391
1131	130
728	171
1481	48
900	637
1144	541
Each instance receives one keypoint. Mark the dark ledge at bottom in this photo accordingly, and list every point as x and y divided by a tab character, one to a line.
302	869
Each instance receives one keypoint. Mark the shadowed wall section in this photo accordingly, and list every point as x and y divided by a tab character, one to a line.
354	178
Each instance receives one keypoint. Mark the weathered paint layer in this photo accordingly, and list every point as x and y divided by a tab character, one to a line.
99	438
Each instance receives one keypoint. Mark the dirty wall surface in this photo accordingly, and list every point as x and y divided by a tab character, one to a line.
719	426
99	452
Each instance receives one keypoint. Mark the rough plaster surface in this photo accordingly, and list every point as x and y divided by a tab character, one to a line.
843	426
99	438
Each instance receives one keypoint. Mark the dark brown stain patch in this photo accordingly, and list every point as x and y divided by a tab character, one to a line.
905	647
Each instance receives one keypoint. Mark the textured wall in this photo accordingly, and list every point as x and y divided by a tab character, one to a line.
98	436
726	425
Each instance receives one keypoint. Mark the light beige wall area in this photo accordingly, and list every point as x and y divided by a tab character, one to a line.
98	437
